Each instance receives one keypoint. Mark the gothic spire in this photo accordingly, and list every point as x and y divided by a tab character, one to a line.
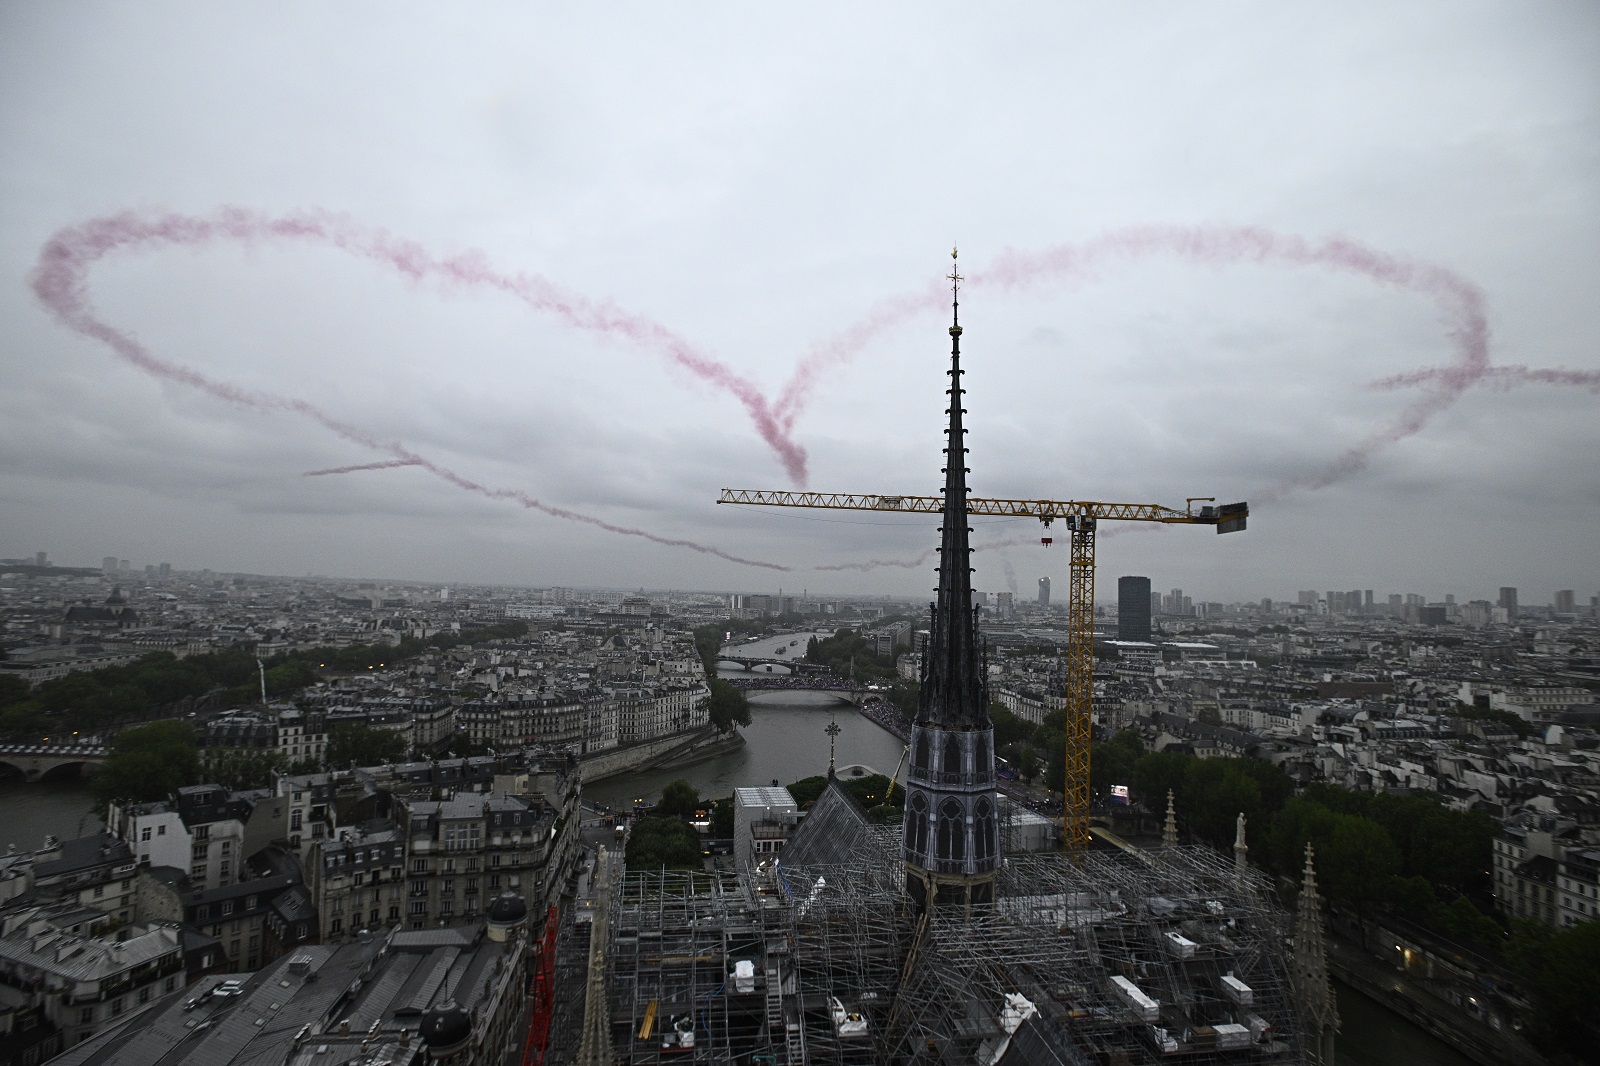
954	693
1169	832
1311	968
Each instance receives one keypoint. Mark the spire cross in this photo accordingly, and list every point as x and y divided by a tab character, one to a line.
833	731
955	279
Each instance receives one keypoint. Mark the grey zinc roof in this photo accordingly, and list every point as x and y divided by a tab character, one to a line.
835	827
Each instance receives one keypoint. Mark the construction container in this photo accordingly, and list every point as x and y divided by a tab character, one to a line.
1180	945
1236	990
1129	994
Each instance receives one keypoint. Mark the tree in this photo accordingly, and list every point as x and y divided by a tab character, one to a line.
237	768
663	842
148	762
679	799
1567	984
727	706
359	744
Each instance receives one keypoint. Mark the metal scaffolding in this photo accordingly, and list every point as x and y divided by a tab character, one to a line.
1110	959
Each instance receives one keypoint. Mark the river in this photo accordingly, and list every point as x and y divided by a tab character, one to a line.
1371	1035
785	741
62	808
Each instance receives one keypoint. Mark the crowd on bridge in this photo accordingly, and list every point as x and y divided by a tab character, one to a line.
819	682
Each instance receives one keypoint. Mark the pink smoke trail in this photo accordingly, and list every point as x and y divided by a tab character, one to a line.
60	283
68	256
387	464
1500	378
1072	266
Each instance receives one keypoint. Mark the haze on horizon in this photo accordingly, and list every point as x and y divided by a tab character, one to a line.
756	183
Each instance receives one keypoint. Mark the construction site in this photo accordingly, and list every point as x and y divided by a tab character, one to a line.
1106	960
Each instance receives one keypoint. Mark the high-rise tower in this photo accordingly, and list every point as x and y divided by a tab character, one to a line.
1133	608
951	842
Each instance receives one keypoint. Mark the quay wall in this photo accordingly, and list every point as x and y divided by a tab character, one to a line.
677	749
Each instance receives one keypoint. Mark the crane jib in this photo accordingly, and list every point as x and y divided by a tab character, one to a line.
1228	518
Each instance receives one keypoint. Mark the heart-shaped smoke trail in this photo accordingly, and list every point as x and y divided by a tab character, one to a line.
66	260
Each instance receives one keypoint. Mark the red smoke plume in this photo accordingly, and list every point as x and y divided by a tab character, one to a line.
387	464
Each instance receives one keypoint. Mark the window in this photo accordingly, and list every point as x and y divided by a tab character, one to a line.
161	830
419	908
227	906
198	852
360	878
336	925
116	1006
294	820
952	842
202	832
144	834
227	847
250	903
87	1016
144	995
419	866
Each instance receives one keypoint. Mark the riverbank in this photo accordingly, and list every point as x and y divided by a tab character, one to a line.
662	753
786	741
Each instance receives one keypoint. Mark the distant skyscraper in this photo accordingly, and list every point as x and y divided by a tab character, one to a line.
1133	608
41	559
1508	600
1368	601
1566	602
1044	591
108	566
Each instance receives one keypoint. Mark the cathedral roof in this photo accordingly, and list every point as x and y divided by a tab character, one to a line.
833	830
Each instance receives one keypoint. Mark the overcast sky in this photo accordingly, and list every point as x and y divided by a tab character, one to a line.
648	196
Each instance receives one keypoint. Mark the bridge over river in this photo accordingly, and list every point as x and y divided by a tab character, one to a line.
851	692
38	762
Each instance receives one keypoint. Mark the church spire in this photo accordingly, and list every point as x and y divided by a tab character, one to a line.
954	693
1311	969
951	839
1169	832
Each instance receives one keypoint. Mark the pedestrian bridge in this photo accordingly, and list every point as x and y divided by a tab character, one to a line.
36	762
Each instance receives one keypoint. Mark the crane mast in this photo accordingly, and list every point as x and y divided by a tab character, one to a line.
1082	519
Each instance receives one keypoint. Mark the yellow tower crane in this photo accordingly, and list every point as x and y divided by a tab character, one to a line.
1081	517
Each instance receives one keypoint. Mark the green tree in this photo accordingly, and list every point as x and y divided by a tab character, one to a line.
1567	986
1154	774
359	744
727	706
148	762
663	842
678	800
13	689
238	768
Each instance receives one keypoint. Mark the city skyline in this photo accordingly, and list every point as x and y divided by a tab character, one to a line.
1227	270
1107	590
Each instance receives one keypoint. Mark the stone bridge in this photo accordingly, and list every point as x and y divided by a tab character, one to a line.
794	665
848	691
35	762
